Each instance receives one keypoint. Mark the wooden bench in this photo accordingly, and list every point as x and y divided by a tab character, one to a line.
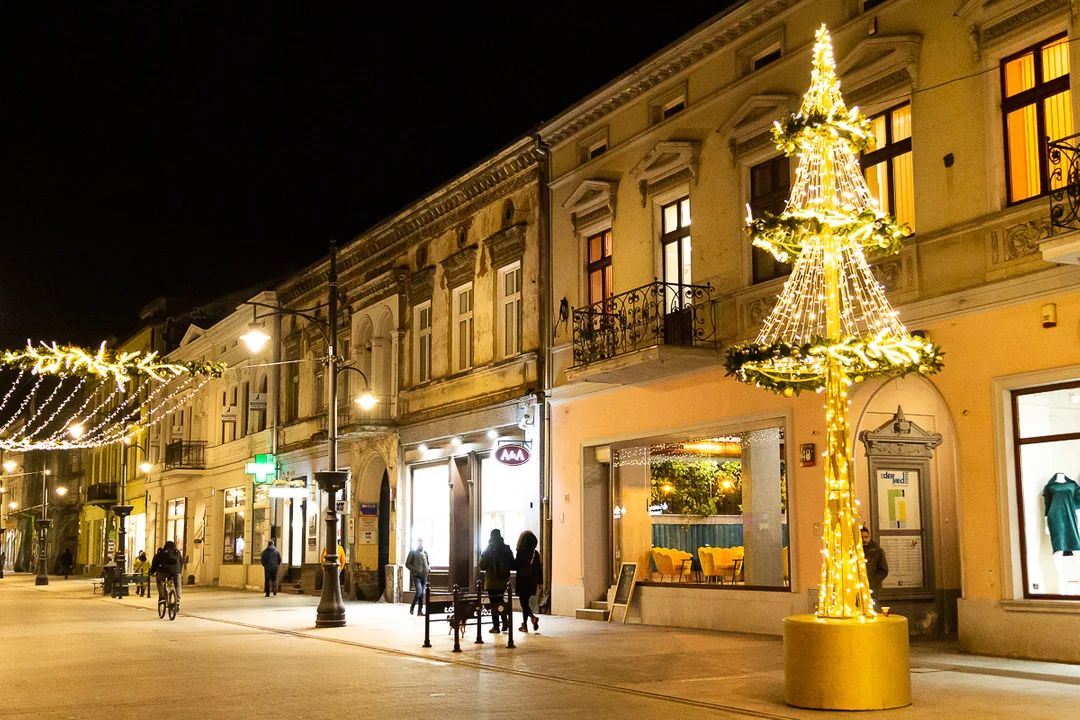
98	583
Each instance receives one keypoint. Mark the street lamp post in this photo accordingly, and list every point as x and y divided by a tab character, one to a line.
122	510
3	528
331	610
43	533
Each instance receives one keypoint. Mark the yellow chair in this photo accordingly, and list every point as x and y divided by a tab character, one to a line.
725	563
681	561
708	562
664	563
787	565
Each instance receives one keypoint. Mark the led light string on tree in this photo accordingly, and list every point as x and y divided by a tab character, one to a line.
832	325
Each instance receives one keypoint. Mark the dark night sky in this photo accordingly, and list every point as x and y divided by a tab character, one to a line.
150	151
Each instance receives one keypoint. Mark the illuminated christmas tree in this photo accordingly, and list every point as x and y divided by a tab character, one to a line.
832	325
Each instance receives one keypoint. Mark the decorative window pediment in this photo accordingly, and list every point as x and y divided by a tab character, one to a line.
460	267
667	164
995	21
592	206
748	127
878	65
507	245
420	285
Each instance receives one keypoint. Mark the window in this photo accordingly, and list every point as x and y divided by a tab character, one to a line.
868	4
1036	105
673	107
675	248
423	342
510	309
769	186
260	414
318	393
292	381
243	409
431	512
463	327
597	149
345	399
260	518
176	523
719	499
599	267
767	56
504	499
228	417
1046	440
888	168
233	533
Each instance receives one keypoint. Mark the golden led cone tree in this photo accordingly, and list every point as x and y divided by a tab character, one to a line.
832	325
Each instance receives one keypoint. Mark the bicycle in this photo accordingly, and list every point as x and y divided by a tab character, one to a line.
169	603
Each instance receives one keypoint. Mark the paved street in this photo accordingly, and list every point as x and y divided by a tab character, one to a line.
239	654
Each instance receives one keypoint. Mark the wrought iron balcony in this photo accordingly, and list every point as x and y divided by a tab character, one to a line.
185	455
102	493
655	314
1063	158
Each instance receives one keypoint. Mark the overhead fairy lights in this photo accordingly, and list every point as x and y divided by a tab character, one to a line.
126	393
832	325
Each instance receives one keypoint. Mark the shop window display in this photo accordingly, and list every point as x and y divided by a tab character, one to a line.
1047	441
704	510
431	512
504	493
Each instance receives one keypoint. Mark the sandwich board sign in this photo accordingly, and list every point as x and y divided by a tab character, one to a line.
624	590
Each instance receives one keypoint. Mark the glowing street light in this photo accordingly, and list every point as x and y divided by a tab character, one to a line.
367	400
255	338
146	467
10	465
76	431
61	491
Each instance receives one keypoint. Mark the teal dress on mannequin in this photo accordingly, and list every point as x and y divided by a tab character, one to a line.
1061	500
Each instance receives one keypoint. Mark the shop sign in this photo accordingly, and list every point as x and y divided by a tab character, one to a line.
257	402
369	509
513	454
264	469
228	413
368	526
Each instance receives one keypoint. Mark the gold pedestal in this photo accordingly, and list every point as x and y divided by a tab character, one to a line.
846	664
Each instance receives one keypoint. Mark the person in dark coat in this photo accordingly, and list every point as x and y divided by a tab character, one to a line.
877	567
271	561
419	567
496	561
170	563
530	576
66	561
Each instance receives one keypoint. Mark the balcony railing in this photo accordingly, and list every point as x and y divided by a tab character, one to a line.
102	493
185	455
655	314
1064	178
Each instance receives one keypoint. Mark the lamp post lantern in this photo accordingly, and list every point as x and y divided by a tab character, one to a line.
331	609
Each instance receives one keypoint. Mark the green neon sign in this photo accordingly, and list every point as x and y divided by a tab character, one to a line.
264	469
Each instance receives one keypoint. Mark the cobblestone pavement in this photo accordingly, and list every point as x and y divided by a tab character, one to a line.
66	653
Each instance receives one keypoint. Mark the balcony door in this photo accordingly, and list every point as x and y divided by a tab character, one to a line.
677	296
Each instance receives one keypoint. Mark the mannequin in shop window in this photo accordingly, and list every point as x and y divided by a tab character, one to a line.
1061	498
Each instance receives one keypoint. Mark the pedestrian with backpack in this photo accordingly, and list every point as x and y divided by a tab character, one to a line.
530	576
170	564
497	561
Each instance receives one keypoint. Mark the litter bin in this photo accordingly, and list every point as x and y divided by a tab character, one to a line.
108	574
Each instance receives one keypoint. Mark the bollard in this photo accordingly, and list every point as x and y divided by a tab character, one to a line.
479	613
509	618
457	636
427	616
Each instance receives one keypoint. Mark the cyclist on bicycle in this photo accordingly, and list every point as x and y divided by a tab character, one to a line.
168	563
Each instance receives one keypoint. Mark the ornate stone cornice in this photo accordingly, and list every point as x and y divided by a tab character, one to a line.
379	287
507	245
499	176
460	267
667	164
990	33
420	285
720	32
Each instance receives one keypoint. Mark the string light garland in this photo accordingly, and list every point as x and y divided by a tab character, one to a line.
832	325
133	392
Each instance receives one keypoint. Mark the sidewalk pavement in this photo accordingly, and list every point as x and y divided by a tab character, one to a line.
737	673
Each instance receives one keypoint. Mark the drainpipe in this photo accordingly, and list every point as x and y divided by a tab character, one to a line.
543	154
272	417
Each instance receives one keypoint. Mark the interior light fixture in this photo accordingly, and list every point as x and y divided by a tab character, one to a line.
455	441
1074	396
422	448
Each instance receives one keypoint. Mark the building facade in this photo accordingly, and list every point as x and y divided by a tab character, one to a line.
715	488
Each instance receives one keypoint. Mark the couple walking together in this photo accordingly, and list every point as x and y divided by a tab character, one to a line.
497	561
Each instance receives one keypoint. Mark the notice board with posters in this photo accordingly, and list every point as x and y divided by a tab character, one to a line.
624	589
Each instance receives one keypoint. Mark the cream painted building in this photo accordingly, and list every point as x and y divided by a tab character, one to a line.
650	181
441	314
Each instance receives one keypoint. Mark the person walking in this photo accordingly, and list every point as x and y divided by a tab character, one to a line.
271	560
419	568
496	561
142	569
877	567
530	576
66	561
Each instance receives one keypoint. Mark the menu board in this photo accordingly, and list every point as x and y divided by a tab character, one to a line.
624	590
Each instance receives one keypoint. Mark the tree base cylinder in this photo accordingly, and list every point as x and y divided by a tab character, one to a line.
846	664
